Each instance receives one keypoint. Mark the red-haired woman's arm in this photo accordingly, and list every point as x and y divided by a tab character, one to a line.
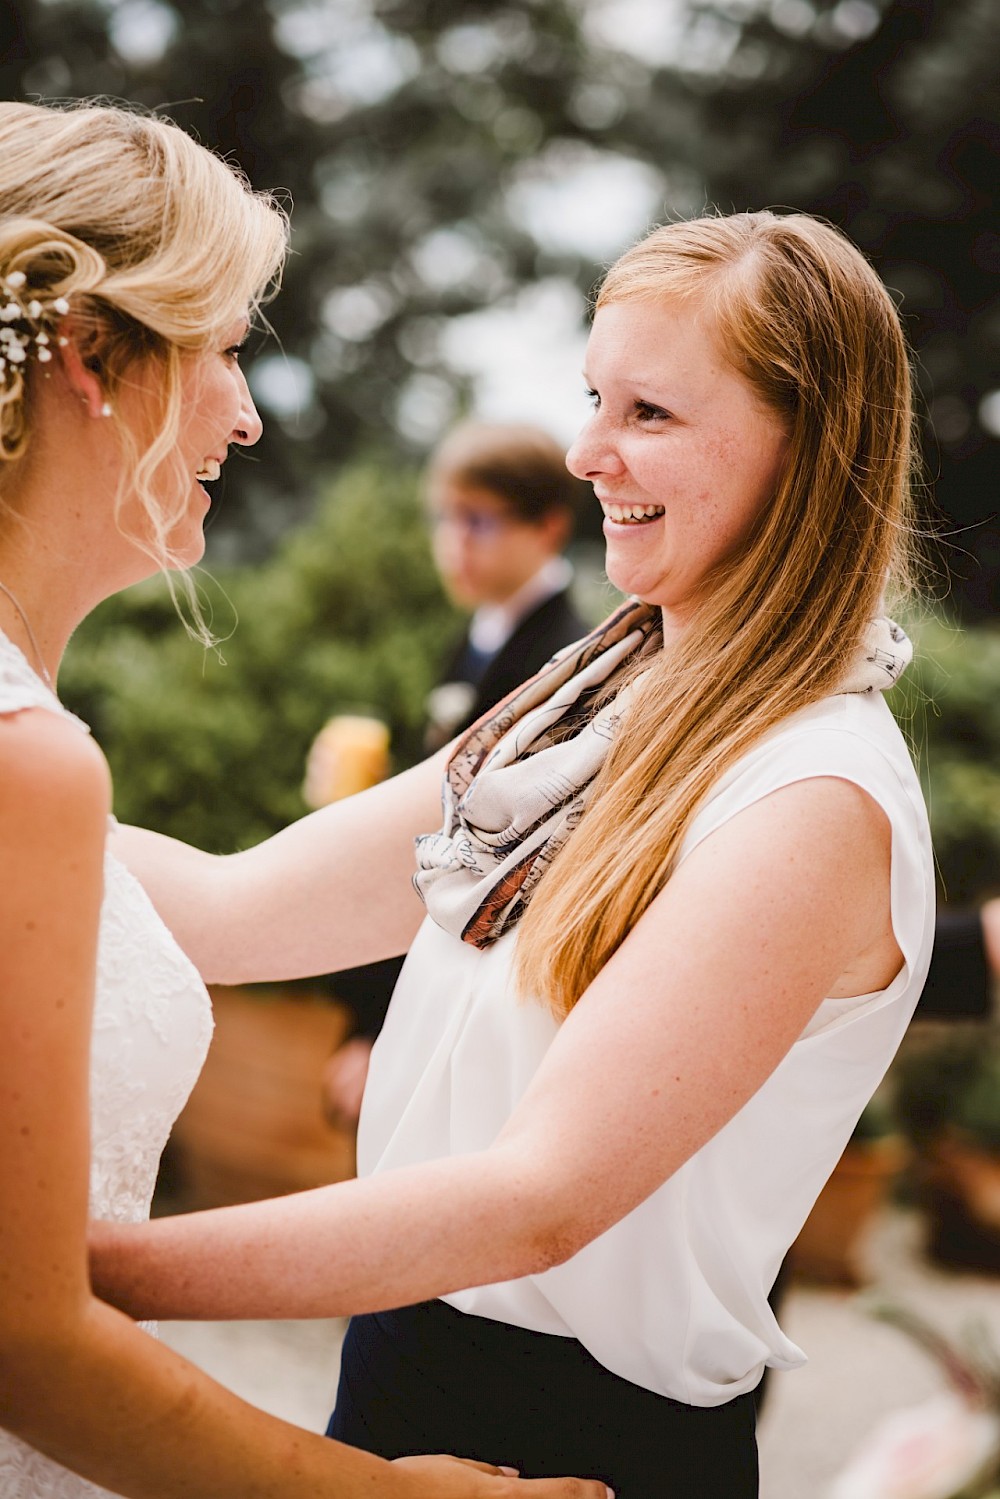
785	904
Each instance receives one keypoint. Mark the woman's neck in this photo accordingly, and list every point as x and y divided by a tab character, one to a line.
33	621
51	575
61	553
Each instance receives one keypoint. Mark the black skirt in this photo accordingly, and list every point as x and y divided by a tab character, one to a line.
428	1378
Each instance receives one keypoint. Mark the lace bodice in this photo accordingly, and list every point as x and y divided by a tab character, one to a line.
152	1026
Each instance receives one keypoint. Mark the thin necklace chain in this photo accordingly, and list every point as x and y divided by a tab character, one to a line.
26	622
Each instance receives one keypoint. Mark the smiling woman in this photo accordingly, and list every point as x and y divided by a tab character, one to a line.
679	908
210	409
681	450
160	284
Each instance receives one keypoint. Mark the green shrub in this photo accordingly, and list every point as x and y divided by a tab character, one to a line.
949	706
348	615
949	1078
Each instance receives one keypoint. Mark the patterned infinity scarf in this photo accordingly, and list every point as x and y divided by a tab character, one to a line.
519	781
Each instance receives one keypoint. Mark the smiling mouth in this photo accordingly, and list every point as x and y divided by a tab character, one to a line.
210	470
632	515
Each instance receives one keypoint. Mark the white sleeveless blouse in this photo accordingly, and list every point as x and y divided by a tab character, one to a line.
674	1296
152	1027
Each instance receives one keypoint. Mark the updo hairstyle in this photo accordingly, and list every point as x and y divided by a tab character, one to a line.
157	246
803	317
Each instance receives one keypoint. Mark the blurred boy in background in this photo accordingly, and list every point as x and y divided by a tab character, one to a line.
501	507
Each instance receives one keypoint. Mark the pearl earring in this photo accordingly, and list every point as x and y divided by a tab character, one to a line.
106	409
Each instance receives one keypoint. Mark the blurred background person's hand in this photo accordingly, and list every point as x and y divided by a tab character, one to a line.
349	754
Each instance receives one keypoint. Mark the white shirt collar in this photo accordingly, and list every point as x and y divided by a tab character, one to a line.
492	625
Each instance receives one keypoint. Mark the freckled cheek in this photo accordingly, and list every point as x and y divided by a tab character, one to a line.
767	446
745	479
704	539
725	454
683	475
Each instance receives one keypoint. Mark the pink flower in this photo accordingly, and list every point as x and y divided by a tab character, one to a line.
931	1451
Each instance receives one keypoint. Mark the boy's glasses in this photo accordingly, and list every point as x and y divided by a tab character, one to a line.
477	525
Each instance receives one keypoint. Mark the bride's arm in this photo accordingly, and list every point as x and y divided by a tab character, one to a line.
77	1379
329	892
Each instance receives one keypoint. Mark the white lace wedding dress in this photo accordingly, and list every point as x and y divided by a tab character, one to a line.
152	1026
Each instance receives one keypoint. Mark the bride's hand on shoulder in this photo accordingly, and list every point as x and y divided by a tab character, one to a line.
462	1478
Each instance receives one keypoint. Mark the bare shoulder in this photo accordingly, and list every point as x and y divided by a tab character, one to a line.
825	816
820	844
828	804
51	773
55	793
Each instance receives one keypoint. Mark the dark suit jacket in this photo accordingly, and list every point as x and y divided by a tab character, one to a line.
540	634
959	985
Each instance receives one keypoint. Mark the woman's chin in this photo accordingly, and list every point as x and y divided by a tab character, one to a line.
189	558
186	551
632	581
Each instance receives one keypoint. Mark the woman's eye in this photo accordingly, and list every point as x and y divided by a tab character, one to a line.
646	412
593	398
234	351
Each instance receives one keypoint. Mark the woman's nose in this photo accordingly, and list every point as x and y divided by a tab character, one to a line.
249	426
591	453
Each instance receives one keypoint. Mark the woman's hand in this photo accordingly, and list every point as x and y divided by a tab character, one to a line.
343	1082
461	1478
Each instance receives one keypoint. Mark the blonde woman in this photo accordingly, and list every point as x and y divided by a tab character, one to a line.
130	263
677	916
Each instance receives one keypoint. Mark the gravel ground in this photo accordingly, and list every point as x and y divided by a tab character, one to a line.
858	1369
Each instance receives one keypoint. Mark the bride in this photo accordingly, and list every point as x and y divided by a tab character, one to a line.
131	261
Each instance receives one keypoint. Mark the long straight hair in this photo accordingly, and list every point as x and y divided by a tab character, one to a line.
804	319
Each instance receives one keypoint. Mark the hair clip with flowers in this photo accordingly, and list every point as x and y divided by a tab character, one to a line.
27	324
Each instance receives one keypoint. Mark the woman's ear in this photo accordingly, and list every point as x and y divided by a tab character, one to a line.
81	364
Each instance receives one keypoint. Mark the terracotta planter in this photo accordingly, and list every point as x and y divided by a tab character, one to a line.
253	1126
829	1247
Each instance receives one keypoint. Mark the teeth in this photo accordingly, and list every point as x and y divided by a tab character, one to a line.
210	471
625	513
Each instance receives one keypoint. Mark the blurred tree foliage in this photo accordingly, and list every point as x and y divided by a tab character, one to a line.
403	130
347	615
948	704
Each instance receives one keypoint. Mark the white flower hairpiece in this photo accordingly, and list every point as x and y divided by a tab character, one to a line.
26	326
